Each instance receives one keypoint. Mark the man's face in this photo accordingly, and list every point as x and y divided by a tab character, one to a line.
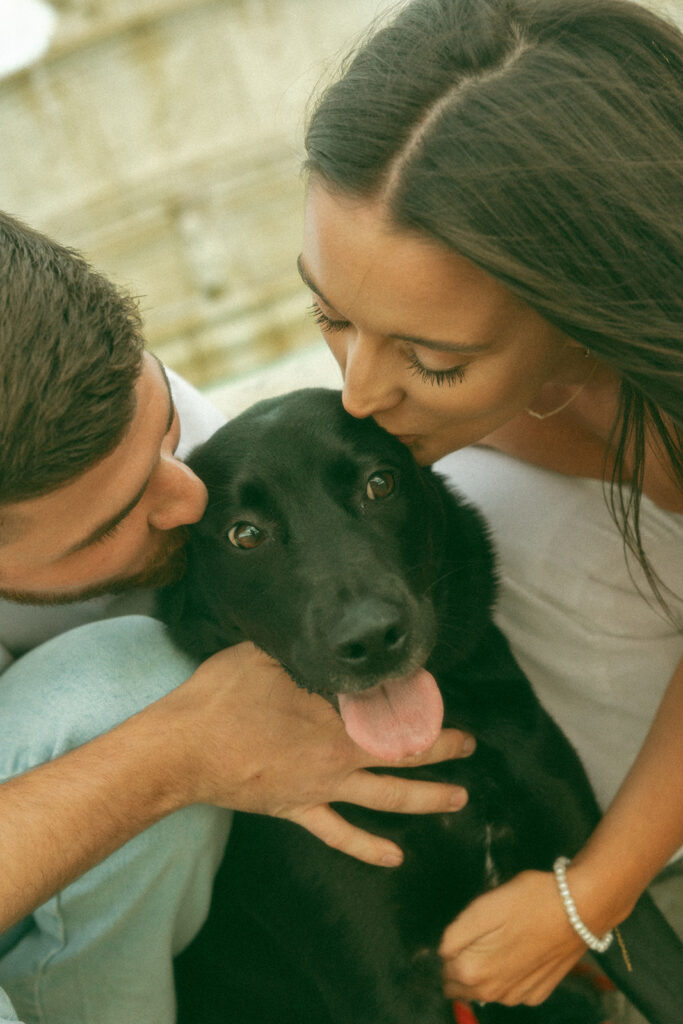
117	525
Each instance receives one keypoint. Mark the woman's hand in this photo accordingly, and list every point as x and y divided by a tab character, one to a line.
513	945
253	741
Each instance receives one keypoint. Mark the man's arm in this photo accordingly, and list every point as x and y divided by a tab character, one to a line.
281	752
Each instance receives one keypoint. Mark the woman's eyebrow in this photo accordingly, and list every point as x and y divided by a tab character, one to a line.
444	346
438	346
309	282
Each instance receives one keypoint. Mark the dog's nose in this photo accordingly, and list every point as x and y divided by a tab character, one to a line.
369	635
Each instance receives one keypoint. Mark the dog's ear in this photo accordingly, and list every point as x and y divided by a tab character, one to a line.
191	629
203	637
460	527
463	553
170	602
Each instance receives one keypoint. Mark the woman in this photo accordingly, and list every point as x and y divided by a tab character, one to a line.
494	244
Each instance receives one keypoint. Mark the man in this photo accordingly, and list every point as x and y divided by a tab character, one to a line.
119	755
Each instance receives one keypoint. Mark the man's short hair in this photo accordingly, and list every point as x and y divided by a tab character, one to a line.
70	354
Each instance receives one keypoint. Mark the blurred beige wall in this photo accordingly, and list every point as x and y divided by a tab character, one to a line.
163	138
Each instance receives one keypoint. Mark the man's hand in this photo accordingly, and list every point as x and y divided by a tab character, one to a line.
254	741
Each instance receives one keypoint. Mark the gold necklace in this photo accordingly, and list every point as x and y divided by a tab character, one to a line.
554	412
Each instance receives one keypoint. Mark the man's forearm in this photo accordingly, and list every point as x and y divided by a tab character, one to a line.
63	817
237	734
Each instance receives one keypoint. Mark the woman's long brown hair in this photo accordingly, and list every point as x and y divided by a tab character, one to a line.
543	140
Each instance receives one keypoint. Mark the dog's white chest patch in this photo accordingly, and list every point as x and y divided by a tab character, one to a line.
490	870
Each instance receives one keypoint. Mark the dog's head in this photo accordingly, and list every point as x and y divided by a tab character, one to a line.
327	545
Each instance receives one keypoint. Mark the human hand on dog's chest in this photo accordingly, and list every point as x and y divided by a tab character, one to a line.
256	742
512	945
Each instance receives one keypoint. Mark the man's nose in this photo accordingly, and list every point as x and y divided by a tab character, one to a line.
179	497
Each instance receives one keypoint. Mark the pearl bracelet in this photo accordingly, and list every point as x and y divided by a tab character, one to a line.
592	941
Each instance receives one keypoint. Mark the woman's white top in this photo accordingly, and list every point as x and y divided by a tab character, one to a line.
581	621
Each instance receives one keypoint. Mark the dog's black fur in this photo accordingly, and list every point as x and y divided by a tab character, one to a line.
348	581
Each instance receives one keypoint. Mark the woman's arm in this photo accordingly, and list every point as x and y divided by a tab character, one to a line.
514	945
281	752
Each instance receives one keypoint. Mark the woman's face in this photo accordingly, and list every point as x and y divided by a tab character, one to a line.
433	348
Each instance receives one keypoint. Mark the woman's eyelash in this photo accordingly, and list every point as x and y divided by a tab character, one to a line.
453	375
324	322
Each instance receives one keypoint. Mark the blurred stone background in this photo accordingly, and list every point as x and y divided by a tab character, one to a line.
163	138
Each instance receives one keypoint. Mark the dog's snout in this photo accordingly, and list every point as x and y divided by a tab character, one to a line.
371	633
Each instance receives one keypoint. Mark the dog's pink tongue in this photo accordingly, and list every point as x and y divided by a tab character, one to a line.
395	719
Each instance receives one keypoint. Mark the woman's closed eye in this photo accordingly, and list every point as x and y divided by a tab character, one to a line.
326	323
449	375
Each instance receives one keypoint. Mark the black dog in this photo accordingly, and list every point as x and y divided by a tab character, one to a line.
330	548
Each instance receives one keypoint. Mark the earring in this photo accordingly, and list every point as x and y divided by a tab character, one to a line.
553	412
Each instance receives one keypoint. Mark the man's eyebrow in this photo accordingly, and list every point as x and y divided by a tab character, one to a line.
118	517
437	346
171	403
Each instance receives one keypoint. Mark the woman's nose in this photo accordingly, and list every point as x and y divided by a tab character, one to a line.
368	384
179	496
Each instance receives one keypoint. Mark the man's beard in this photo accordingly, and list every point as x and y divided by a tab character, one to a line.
167	566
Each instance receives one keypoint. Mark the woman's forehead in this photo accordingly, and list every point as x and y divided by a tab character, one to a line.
353	256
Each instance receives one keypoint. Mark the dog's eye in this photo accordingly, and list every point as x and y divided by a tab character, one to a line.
246	536
380	485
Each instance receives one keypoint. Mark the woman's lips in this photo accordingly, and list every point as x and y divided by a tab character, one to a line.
406	439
